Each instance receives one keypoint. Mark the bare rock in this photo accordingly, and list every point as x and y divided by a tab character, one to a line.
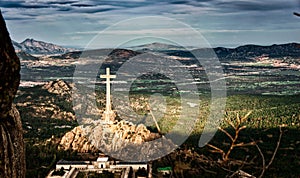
111	135
125	140
134	142
63	115
59	87
75	140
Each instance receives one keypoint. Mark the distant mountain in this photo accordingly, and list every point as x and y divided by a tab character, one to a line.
156	47
254	51
32	46
246	52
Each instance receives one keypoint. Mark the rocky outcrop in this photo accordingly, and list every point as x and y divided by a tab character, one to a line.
117	132
119	139
59	87
12	156
75	140
127	141
50	101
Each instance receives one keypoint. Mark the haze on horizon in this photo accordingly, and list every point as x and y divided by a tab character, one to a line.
227	23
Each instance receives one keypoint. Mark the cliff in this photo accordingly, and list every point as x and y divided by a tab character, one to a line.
12	155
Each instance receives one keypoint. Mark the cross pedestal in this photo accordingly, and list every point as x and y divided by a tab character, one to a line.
108	114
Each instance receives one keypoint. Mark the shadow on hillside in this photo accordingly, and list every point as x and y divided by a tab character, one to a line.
246	158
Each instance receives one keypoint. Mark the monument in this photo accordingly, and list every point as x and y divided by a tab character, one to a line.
108	114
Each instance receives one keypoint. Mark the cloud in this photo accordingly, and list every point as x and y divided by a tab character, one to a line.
95	6
254	5
83	18
231	30
82	5
19	18
21	4
83	33
92	9
61	2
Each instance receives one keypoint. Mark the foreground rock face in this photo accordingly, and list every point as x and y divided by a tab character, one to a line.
12	146
12	155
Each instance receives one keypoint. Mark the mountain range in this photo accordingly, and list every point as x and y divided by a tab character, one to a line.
36	47
291	50
241	53
246	52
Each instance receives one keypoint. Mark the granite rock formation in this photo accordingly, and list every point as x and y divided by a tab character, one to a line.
75	140
118	139
59	87
51	100
12	155
128	141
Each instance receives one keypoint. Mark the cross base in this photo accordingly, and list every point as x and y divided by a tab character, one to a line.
108	116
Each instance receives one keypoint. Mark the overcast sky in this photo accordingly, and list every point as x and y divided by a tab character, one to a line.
221	22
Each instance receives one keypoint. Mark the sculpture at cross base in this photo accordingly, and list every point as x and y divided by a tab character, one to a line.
108	114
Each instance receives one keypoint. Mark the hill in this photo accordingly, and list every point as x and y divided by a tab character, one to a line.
25	56
246	52
253	51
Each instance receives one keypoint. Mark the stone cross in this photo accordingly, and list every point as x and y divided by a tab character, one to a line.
108	113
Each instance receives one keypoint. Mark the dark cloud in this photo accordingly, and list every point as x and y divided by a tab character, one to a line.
189	2
82	5
233	6
35	5
11	4
95	6
175	7
92	10
61	2
92	6
125	4
237	5
20	4
179	2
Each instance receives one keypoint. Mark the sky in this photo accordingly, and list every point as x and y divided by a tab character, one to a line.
227	23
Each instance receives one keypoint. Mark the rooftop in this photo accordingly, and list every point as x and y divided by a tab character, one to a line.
63	162
102	159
